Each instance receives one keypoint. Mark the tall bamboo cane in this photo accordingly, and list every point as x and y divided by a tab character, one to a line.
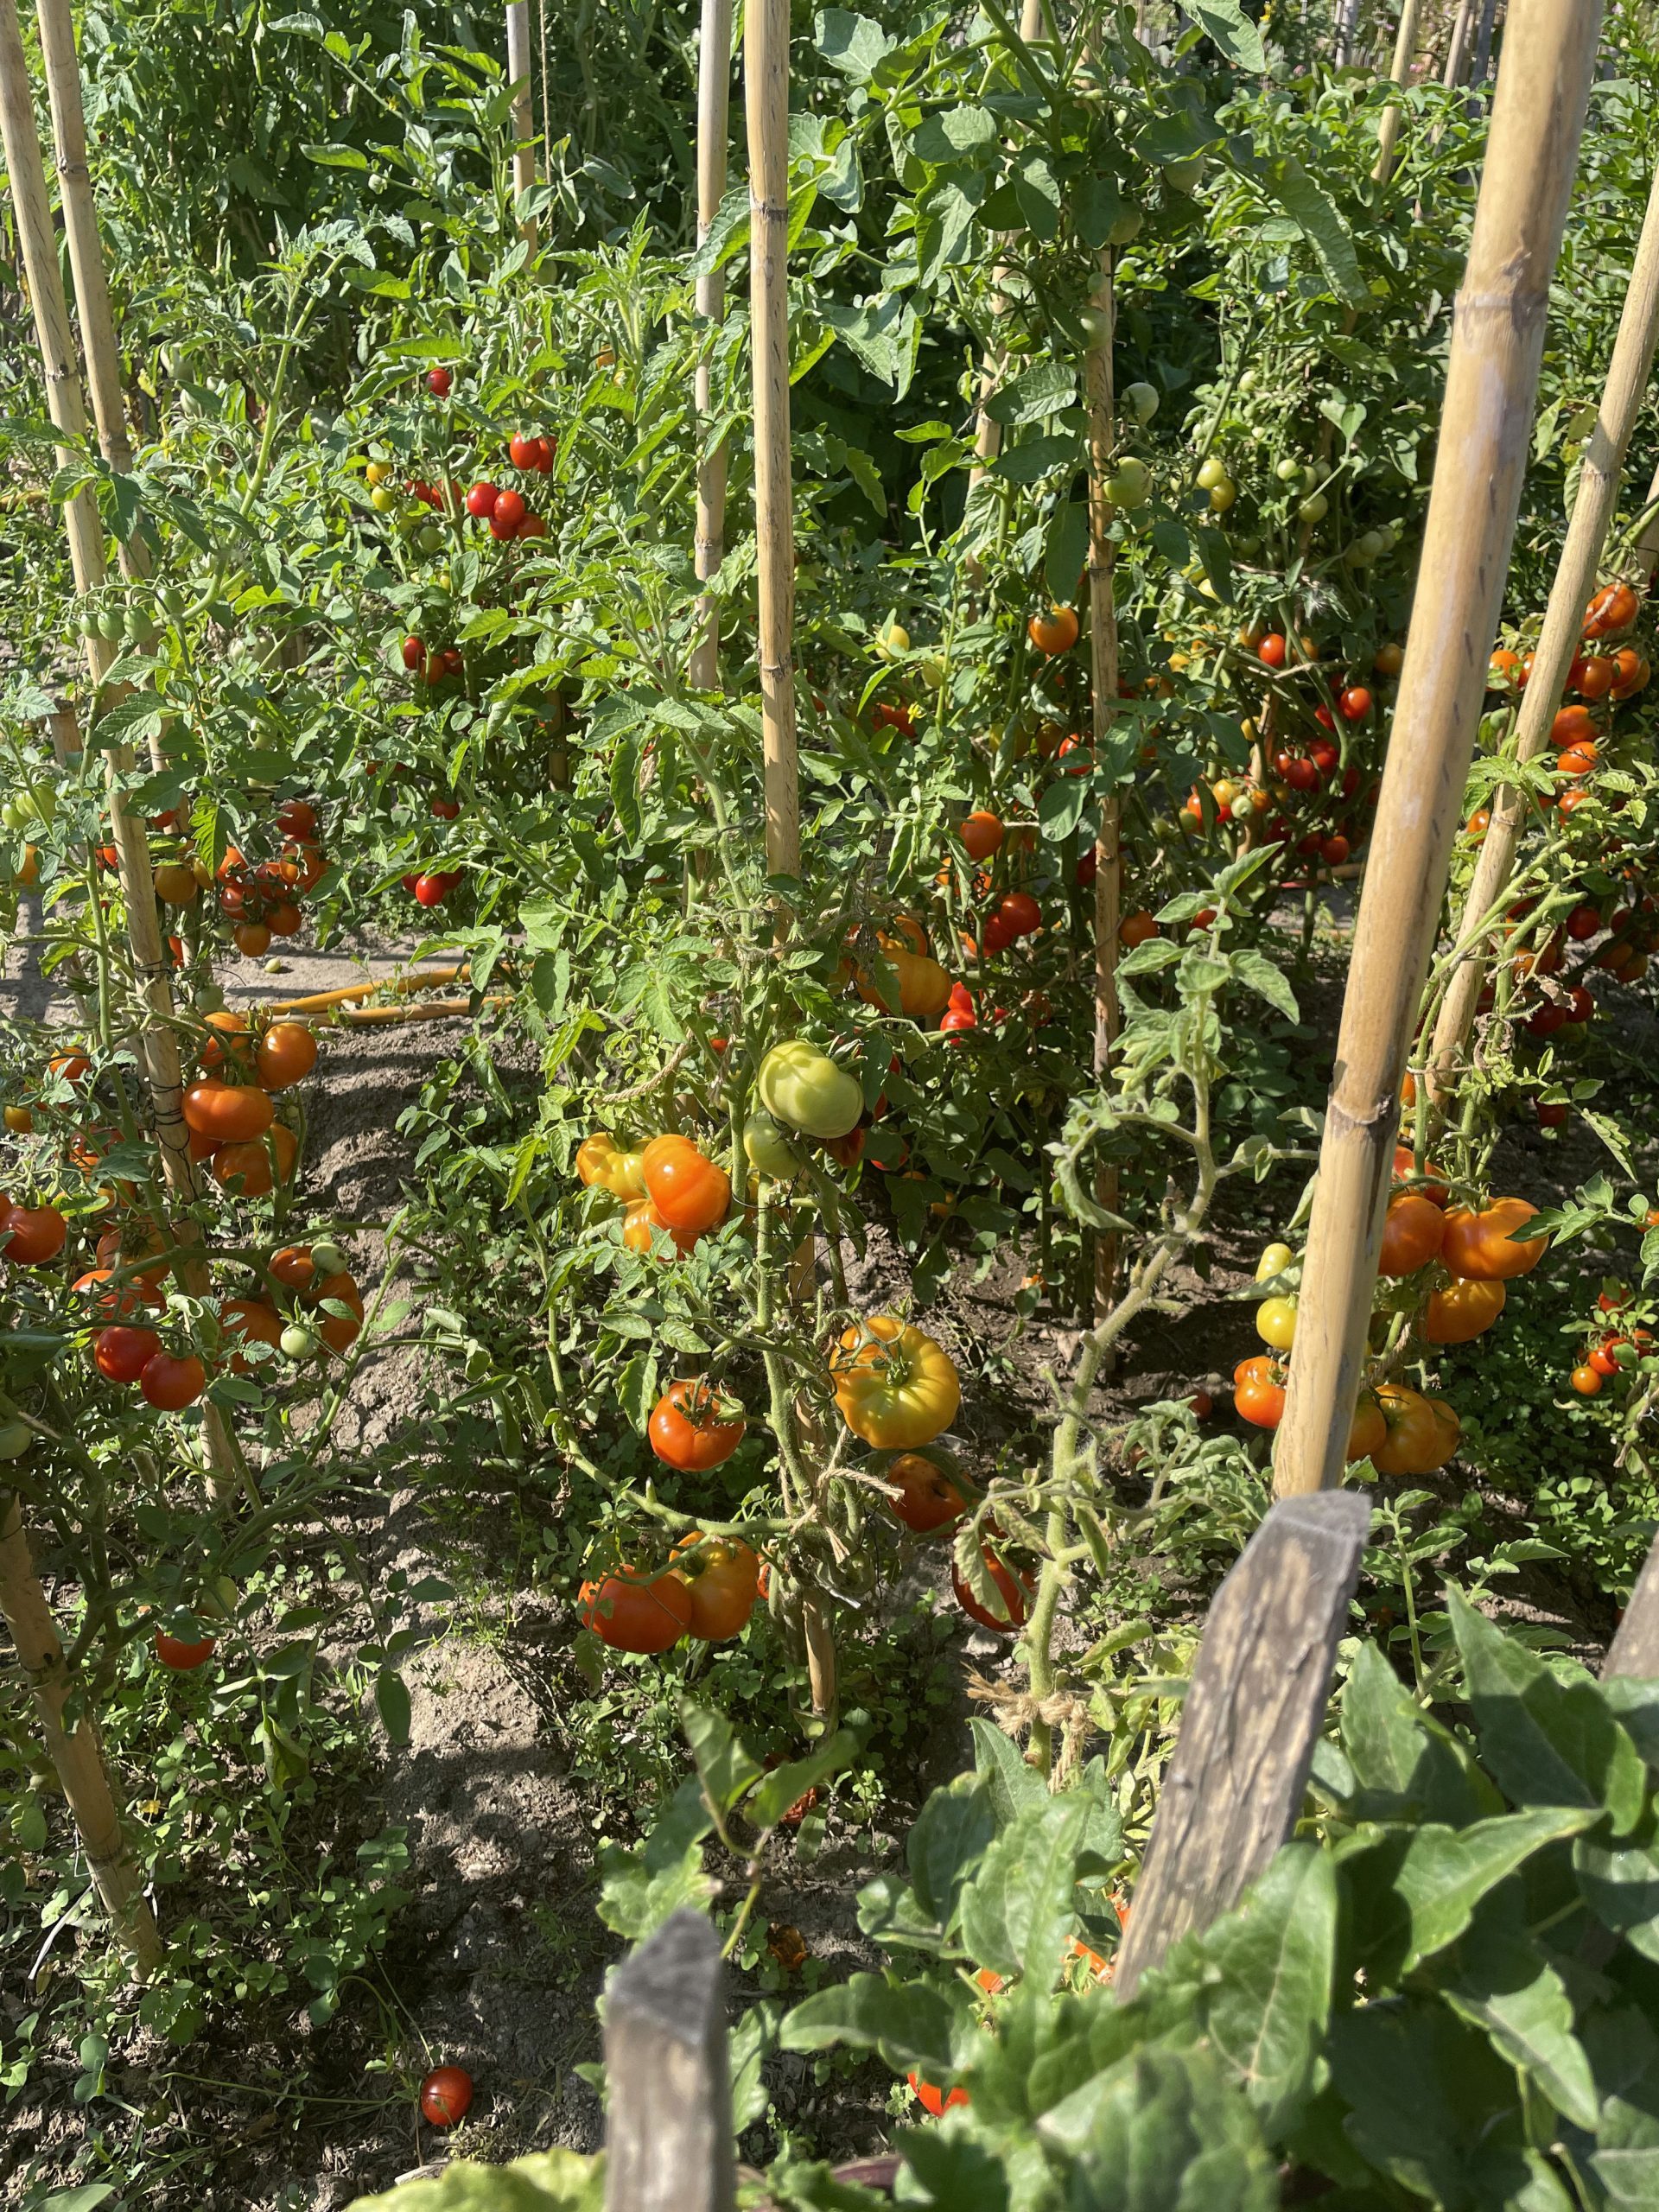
713	104
77	1754
1645	554
523	112
158	1046
1491	385
766	85
1560	639
1097	377
1458	51
1405	52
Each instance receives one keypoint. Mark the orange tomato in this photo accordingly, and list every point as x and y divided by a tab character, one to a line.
689	1429
1464	1309
1055	632
228	1113
687	1190
287	1053
1413	1231
1478	1245
246	1168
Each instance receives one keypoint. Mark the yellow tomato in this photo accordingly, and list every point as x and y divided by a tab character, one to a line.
1275	1322
621	1173
1274	1259
896	1387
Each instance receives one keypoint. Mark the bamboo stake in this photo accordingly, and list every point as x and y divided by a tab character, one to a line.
1097	379
86	253
1491	385
158	1045
77	1756
766	85
714	106
1457	52
1559	642
987	434
1645	554
524	113
1405	52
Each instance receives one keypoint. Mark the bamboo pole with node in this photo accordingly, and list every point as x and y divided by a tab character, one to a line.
157	1039
713	118
76	1753
1491	384
766	87
523	112
1558	645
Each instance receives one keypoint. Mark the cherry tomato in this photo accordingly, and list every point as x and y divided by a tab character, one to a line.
980	833
480	501
1272	650
174	1652
121	1354
437	383
1019	912
1055	632
446	2095
171	1383
1586	1381
32	1235
1355	703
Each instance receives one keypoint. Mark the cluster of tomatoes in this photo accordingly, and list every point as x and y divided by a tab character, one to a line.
672	1193
261	900
1613	1347
1601	681
1452	1264
230	1109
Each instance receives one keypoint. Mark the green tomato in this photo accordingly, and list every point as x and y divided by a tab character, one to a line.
382	499
892	640
933	671
1127	228
299	1344
1365	548
112	623
1213	472
1314	508
16	1437
328	1259
1288	471
1130	483
1143	402
1275	1322
767	1149
430	539
1185	176
804	1088
1248	381
209	998
1386	539
1222	495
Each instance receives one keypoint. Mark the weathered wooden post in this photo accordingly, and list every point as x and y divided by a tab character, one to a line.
1253	1713
523	112
714	105
668	2140
1635	1648
1485	435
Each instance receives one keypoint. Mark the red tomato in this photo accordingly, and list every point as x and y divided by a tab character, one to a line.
933	2099
414	654
1258	1393
182	1656
1013	1595
32	1235
687	1190
446	2095
1333	851
1272	650
634	1612
480	500
1355	703
1020	912
437	383
531	526
997	935
523	451
928	1500
686	1429
432	890
172	1383
121	1354
509	509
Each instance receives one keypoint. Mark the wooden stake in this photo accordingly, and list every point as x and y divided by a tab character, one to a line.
1457	52
1405	52
1485	428
765	85
1645	554
77	1756
1099	396
1559	642
714	116
158	1044
86	253
524	113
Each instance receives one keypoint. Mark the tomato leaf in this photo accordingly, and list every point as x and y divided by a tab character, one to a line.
908	2022
1162	2130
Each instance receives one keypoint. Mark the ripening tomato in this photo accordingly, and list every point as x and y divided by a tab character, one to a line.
980	833
1390	659
1413	1229
1480	1246
687	1190
1055	632
32	1235
251	938
691	1427
340	1331
723	1576
171	1382
933	2099
928	1500
1368	1431
1464	1309
1422	1435
229	1113
246	1168
1136	929
637	1613
805	1089
1014	1595
121	1354
248	1321
1586	1381
1612	608
174	1652
896	1387
1604	1358
287	1053
599	1160
446	2095
1259	1391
